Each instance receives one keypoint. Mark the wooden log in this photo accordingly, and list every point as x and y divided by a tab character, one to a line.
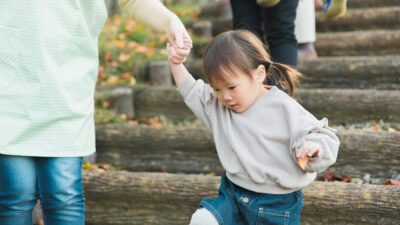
121	99
361	19
145	148
353	43
356	19
359	72
203	28
160	74
157	101
350	43
214	9
339	105
170	199
371	3
180	149
352	106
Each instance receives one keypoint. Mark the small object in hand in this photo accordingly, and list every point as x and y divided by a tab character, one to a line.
302	162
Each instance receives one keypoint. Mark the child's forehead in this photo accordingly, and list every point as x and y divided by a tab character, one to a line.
227	75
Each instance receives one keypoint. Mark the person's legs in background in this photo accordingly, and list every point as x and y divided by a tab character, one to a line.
61	191
305	30
274	24
247	15
279	30
17	189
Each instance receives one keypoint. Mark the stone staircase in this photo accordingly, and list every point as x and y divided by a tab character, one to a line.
356	79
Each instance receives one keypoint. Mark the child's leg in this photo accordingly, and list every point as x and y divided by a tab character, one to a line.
17	189
61	191
203	217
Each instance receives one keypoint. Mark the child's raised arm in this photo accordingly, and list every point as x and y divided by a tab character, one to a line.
176	57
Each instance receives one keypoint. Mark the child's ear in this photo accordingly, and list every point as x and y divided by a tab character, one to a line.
261	73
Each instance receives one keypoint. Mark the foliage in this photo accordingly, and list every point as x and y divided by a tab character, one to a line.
126	47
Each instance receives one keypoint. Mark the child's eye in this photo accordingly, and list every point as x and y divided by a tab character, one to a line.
233	87
216	90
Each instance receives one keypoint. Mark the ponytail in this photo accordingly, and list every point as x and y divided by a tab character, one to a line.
283	76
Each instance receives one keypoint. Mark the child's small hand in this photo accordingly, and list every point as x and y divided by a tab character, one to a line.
308	150
178	55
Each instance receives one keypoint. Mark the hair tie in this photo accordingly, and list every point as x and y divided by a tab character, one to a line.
270	65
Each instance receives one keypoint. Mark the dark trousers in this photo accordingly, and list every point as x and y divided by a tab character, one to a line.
275	26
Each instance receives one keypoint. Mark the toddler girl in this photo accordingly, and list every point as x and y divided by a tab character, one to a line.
268	144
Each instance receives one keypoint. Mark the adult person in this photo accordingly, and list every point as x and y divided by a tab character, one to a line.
48	71
274	24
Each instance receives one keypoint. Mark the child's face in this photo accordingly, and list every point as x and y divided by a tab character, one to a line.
240	91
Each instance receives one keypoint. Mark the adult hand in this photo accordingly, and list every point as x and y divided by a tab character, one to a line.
176	32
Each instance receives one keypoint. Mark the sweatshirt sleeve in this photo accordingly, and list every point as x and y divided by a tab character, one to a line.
197	96
303	127
150	12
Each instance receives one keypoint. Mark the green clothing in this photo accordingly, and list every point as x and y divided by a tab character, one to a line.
48	71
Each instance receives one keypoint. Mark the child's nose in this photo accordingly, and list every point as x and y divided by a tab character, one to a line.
227	97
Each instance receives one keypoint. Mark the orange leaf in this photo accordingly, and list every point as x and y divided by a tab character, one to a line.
391	182
302	162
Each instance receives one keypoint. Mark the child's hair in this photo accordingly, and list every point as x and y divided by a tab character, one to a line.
243	50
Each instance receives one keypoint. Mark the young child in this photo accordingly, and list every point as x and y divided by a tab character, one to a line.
260	132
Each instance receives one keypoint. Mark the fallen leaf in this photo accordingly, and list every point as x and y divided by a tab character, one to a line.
391	182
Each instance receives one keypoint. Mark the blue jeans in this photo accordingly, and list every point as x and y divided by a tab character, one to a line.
57	182
238	206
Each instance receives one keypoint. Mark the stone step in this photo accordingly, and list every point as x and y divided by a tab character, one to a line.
358	72
128	198
361	19
339	105
346	43
190	149
355	19
216	10
358	43
371	3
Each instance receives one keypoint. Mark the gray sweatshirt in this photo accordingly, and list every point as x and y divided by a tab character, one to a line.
257	147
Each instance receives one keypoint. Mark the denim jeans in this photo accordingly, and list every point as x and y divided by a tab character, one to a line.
57	182
238	206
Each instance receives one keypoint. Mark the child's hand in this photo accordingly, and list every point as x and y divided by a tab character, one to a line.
178	55
308	150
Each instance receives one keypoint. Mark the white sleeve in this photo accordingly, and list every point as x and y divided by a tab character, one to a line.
305	127
197	96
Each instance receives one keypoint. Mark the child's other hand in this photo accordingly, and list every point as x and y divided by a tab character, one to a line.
178	55
308	150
